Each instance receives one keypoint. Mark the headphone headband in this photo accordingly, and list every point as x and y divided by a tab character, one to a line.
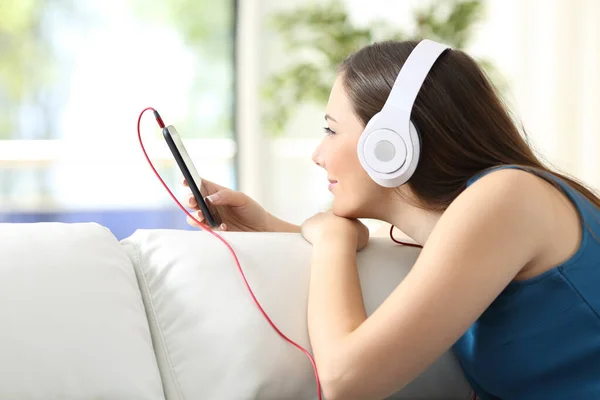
412	75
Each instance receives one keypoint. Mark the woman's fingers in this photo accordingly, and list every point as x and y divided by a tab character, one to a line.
190	201
198	216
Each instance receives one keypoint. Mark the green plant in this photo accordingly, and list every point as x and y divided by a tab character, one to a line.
318	38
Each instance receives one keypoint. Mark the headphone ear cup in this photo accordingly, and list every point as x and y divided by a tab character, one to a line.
369	128
381	149
414	132
389	157
371	123
414	138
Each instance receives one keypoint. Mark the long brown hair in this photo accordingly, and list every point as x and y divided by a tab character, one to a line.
463	124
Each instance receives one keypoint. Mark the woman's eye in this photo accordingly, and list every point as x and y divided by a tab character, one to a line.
328	131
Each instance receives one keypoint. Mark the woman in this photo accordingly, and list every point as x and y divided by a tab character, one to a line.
509	274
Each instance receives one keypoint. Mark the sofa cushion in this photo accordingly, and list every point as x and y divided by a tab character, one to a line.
73	325
211	340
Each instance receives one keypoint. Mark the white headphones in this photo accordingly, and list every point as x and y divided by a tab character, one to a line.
389	147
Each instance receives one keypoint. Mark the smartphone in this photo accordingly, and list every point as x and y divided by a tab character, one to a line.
184	162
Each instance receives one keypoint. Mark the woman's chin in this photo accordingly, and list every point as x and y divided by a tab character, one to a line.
345	210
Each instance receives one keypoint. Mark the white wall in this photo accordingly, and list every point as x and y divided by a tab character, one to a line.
548	51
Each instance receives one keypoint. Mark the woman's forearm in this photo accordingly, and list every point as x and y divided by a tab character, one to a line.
278	225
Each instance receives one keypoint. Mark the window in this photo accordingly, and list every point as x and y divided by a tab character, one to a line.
74	77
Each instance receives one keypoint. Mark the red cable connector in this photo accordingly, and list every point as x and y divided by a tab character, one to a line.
159	120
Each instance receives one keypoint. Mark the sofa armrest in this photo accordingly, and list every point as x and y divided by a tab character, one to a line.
73	321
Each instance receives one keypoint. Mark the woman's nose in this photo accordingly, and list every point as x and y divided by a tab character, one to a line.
317	157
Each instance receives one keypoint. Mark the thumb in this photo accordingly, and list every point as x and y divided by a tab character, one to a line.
205	183
228	197
210	186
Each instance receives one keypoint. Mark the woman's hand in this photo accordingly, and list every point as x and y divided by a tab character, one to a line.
325	226
237	210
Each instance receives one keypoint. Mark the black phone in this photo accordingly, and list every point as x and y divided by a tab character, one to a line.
195	182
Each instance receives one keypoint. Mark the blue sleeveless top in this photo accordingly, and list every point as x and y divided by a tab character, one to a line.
540	338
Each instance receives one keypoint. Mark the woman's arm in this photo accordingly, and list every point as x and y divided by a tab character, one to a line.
480	243
278	225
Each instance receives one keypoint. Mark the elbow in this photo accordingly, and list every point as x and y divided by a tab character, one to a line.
335	383
332	389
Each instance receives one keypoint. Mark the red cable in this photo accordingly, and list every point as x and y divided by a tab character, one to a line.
403	243
237	261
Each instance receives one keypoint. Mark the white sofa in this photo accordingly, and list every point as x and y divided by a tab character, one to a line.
164	314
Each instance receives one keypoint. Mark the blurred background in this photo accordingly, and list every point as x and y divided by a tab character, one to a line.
246	82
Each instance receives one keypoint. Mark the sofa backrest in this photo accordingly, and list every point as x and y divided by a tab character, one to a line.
212	342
